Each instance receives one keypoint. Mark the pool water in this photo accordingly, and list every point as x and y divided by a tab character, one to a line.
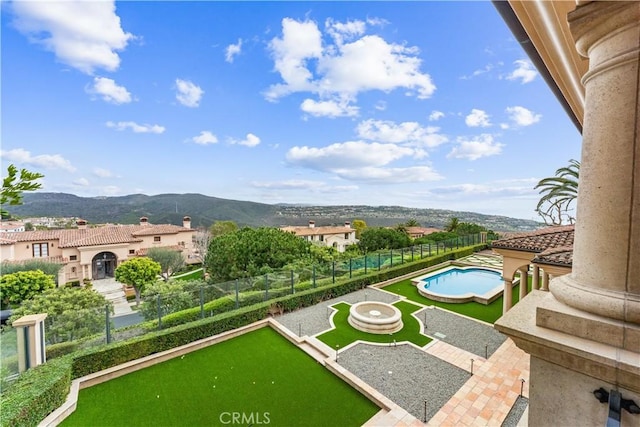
457	281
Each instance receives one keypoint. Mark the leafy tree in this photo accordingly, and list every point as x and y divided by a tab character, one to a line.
170	260
558	193
373	239
452	225
22	285
14	184
138	272
359	226
247	252
28	226
48	267
220	228
435	237
173	297
73	313
412	222
466	228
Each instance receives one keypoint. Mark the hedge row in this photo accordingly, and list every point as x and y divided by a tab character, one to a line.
40	391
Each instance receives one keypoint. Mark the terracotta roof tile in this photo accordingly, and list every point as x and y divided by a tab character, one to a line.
105	235
539	240
316	231
562	255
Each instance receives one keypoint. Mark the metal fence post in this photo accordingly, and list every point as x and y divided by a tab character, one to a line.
159	306
379	262
350	267
202	302
365	264
401	256
391	259
333	273
107	323
313	275
237	293
411	253
292	283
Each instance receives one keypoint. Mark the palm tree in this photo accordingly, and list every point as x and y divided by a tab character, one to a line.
412	222
452	225
558	193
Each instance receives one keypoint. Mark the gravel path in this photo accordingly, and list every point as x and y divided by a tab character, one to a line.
406	375
313	320
461	332
516	412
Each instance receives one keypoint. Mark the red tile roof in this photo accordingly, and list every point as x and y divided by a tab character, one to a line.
539	240
105	235
317	231
562	256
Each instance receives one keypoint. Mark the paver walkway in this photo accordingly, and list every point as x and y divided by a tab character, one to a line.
113	292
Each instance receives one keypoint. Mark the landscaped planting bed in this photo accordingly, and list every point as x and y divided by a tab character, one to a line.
259	375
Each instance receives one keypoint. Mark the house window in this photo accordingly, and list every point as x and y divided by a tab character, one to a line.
346	236
322	237
40	250
73	269
132	251
73	258
156	238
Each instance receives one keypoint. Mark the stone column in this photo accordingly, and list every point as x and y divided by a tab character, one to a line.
507	295
545	281
535	279
606	258
31	346
524	282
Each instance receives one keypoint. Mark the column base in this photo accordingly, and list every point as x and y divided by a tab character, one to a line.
611	304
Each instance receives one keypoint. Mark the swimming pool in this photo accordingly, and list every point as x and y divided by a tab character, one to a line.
461	284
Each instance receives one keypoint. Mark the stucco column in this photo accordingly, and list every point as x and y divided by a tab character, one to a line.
507	295
524	282
535	279
605	279
545	281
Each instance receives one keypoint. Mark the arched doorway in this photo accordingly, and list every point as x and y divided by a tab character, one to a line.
103	265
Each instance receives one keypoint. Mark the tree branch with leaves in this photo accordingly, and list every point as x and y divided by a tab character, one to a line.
14	184
558	194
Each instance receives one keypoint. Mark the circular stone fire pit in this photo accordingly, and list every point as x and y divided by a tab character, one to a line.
375	317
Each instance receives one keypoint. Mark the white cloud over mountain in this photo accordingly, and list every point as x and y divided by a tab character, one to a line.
46	161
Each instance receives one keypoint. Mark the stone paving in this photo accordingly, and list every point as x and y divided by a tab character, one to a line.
113	292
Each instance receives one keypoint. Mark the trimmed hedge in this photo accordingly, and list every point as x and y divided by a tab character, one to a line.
41	390
36	393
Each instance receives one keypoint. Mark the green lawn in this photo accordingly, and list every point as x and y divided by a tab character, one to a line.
488	313
344	334
193	275
259	374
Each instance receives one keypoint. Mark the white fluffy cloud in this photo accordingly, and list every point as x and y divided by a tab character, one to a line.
232	51
306	185
476	147
188	93
525	72
250	140
109	91
353	63
477	118
205	138
435	115
522	116
135	127
352	154
82	34
81	182
103	173
390	175
47	161
330	109
410	133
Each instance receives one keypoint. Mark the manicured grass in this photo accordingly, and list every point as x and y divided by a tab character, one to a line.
488	313
259	374
344	334
193	275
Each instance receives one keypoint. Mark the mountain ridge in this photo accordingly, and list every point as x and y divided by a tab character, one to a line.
205	210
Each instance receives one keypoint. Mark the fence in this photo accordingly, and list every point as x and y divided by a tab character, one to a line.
71	331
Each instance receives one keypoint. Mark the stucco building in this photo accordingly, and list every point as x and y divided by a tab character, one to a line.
336	237
95	252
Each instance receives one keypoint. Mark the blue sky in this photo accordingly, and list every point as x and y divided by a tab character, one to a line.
419	104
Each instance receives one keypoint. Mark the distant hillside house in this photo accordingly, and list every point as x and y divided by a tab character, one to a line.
11	226
417	232
94	253
336	237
